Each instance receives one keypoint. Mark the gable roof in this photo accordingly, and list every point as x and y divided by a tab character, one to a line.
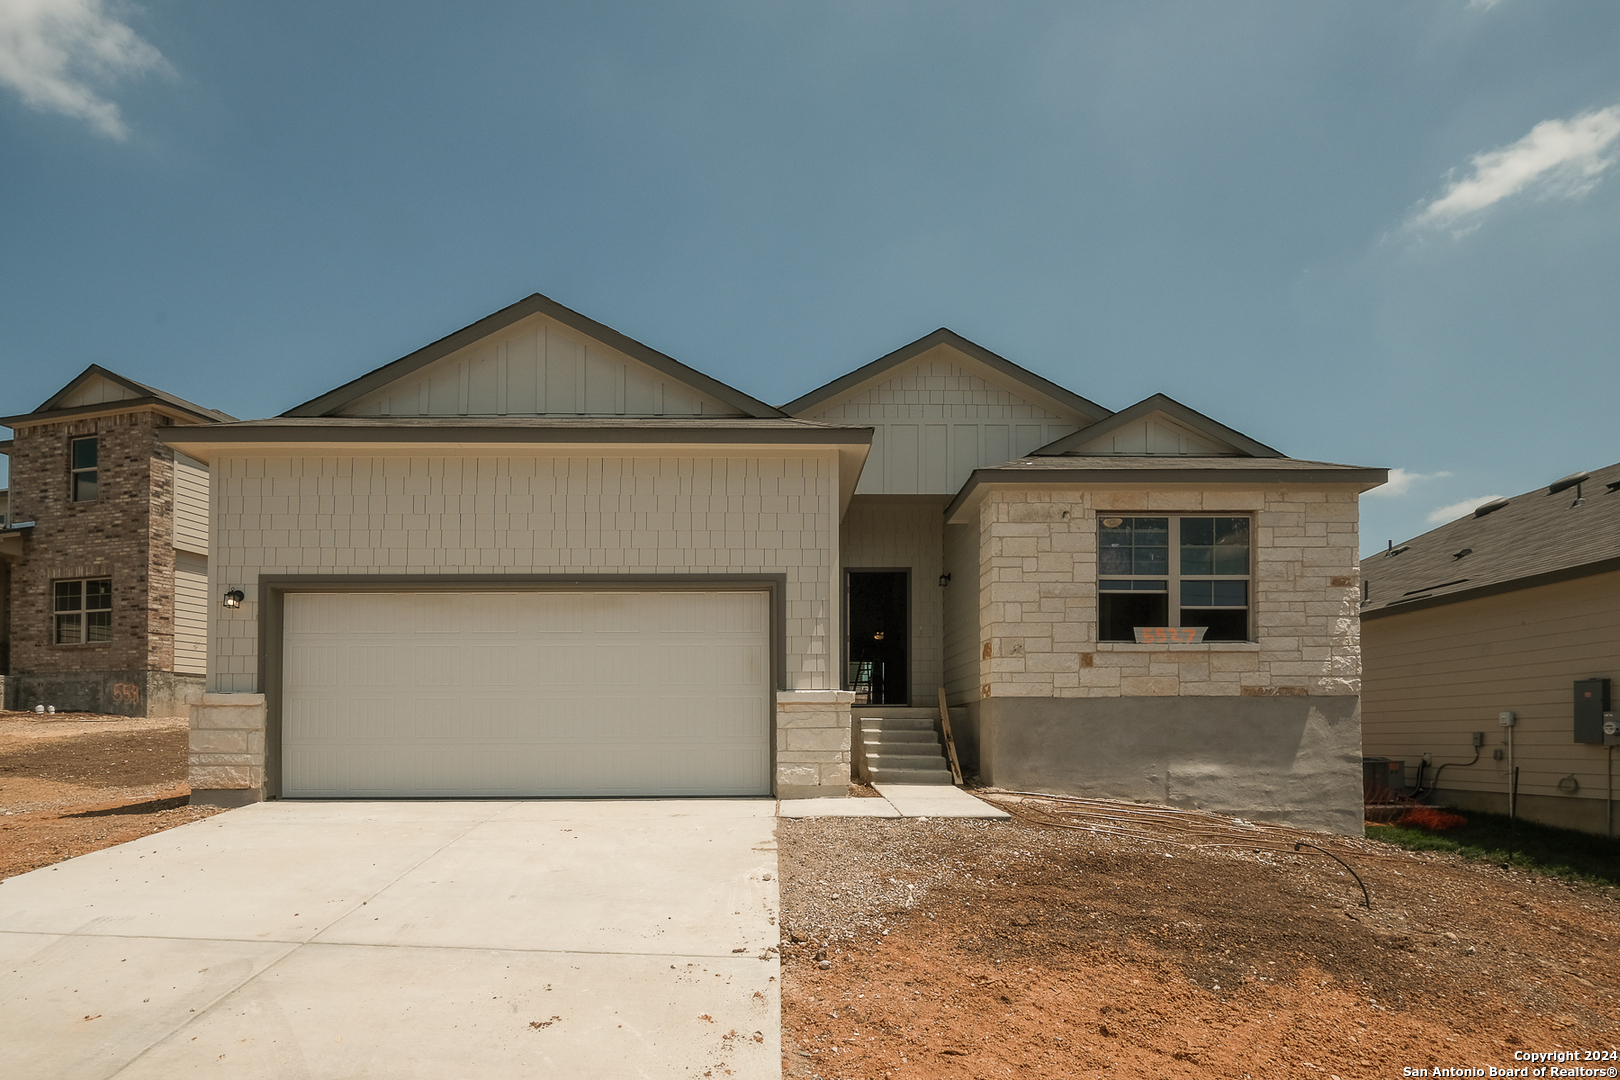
1000	365
1531	539
333	401
1241	445
136	396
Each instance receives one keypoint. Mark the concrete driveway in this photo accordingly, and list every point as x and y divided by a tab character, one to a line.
404	939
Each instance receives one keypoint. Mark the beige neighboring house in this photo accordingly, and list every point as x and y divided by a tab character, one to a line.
104	552
540	558
1513	609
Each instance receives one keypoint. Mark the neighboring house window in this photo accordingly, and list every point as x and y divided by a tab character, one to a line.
1173	571
83	468
83	611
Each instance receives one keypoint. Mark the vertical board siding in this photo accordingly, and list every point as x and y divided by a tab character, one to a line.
531	515
190	504
1156	434
936	422
97	391
538	367
190	613
1433	677
905	535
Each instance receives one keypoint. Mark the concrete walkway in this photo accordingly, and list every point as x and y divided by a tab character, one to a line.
898	801
404	939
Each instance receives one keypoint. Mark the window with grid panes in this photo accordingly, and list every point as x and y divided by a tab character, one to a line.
82	469
1174	570
82	611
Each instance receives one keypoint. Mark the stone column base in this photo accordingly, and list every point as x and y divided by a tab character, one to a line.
812	743
227	750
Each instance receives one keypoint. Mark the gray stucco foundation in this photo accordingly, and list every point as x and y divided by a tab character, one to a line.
1295	760
118	693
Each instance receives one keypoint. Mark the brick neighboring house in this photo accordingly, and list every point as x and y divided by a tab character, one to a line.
104	554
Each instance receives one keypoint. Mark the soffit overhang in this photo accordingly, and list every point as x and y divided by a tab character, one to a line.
1157	474
353	436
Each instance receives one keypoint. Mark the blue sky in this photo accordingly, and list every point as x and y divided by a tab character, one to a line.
1382	233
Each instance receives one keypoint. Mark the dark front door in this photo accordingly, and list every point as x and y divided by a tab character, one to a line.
879	637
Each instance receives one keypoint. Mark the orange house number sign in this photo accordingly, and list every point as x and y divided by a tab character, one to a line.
1170	635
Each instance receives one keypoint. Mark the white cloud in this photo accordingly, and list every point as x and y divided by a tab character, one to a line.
1482	5
1558	157
56	53
1401	481
1441	515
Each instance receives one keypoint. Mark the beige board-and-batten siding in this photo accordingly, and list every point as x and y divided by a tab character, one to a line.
1267	728
1436	675
899	534
580	514
934	422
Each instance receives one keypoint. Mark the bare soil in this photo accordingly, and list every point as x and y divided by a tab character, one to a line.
1087	939
1081	939
78	782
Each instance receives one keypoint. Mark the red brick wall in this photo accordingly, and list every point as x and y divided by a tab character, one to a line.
125	534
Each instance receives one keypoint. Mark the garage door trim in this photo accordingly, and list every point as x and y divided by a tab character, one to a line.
272	600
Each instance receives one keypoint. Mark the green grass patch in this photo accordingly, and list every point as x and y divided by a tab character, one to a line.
1539	849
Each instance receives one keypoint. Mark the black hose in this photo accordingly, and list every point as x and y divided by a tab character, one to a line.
1364	894
1435	782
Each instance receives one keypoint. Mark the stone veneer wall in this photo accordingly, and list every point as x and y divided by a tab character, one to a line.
125	534
226	759
1038	598
1267	729
812	743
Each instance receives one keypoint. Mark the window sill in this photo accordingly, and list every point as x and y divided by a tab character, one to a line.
1200	646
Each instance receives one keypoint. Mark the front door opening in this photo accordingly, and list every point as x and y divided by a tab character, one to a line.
879	637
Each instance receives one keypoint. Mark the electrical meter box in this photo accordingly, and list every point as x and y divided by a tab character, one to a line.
1591	702
1611	729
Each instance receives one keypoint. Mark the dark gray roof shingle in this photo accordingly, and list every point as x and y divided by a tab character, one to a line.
1534	535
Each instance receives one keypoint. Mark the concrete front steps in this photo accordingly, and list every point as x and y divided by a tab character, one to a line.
901	746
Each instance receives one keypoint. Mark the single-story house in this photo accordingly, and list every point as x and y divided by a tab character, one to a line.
1512	614
537	557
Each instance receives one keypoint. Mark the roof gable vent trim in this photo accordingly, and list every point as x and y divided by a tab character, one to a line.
1489	507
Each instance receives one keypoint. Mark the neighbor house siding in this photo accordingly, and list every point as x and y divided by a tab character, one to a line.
884	534
584	515
1437	675
190	504
190	613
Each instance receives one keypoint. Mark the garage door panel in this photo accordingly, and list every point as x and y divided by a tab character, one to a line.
511	694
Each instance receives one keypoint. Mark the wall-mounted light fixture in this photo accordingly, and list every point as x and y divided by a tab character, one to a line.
944	580
234	598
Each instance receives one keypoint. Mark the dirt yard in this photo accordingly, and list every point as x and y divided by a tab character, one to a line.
78	782
1143	943
1080	940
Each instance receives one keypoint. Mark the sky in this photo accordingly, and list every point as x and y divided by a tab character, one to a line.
1369	232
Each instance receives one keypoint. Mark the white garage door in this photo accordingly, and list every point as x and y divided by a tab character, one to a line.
438	694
